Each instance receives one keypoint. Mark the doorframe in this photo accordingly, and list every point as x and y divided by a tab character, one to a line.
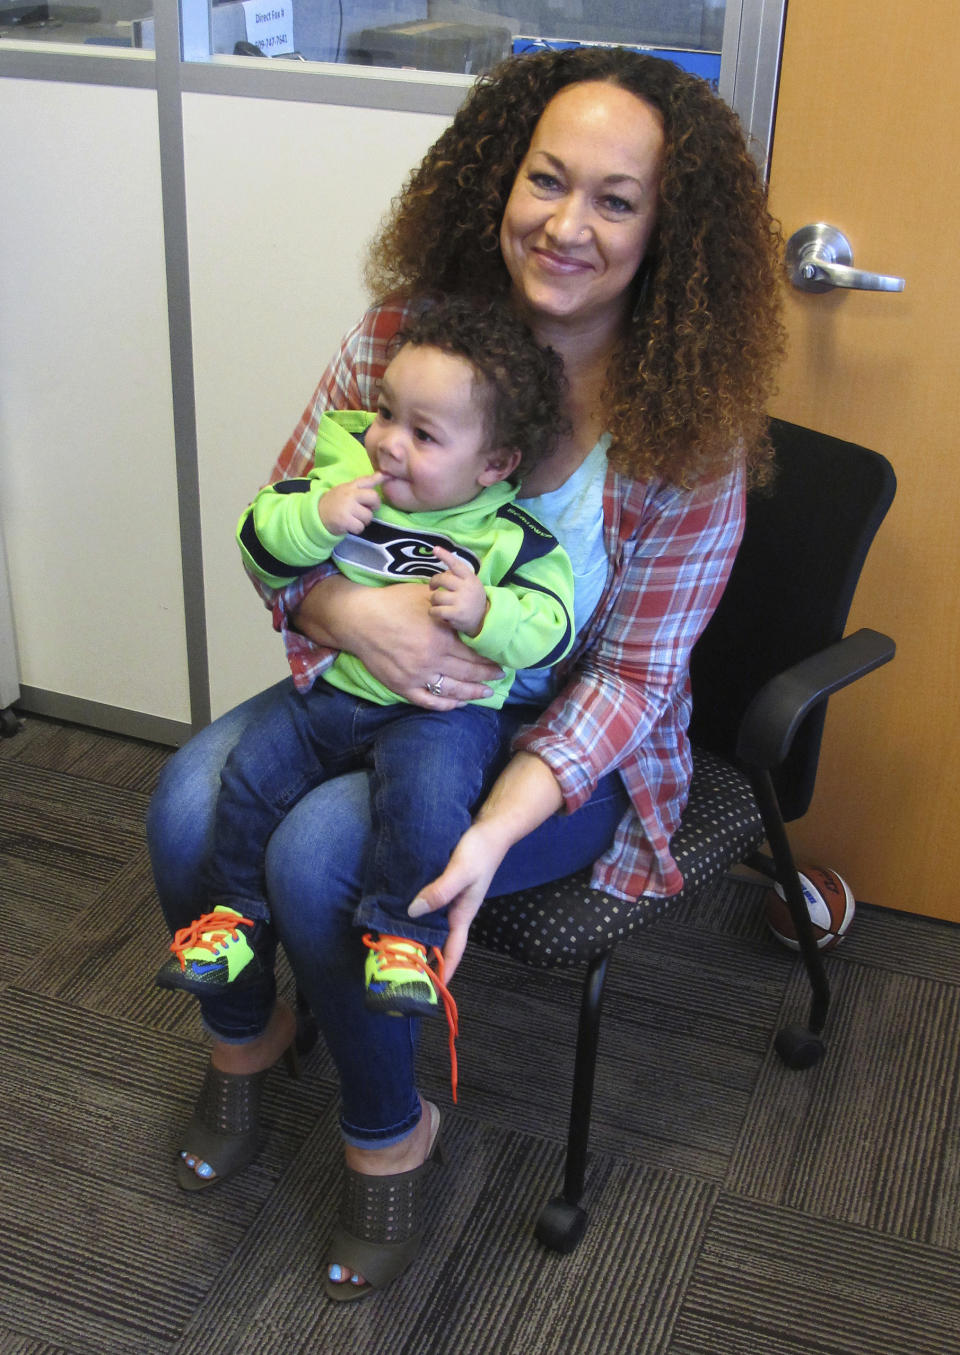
750	68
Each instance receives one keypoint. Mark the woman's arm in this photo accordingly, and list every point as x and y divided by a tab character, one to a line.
673	569
524	795
675	563
391	632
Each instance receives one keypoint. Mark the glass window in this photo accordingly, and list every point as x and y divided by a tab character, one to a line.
99	23
446	35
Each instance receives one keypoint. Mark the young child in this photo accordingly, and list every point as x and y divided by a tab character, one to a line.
420	490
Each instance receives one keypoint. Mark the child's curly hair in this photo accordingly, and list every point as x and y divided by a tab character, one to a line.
520	386
688	388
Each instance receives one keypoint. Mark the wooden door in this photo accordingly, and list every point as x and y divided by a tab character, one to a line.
866	138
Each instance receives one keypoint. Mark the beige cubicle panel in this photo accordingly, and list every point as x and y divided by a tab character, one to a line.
88	493
281	199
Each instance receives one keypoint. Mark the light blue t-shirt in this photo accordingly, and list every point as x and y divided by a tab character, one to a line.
574	513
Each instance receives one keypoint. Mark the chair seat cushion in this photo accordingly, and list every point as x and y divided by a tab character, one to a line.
566	922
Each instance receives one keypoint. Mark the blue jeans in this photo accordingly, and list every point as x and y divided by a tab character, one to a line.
314	869
427	770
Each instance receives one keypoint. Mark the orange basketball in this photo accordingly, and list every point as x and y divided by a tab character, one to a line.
830	904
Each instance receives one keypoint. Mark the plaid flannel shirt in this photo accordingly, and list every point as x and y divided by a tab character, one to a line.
624	702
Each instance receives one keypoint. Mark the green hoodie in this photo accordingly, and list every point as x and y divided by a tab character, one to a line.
527	575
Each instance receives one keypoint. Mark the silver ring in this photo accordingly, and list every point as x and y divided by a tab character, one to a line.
435	687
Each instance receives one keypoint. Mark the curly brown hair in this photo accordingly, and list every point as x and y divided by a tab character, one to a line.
688	387
520	385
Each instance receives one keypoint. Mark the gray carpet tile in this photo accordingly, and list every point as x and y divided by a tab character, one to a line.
25	891
484	1284
870	1136
903	942
101	1250
32	730
80	832
719	1186
87	1090
776	1280
734	906
12	1344
61	844
116	945
646	1226
87	754
689	1014
91	826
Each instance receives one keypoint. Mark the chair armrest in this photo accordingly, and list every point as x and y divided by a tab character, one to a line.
779	708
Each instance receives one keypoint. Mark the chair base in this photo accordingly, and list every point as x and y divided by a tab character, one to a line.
799	1047
561	1225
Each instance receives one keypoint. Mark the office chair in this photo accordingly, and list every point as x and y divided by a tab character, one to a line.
761	674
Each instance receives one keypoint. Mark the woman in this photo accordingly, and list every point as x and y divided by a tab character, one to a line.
609	197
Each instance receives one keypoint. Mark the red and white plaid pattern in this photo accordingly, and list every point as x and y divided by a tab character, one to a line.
625	704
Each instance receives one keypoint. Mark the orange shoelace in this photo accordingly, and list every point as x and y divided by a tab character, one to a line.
388	947
206	933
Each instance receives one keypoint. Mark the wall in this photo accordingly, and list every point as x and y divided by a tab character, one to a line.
90	485
88	495
281	199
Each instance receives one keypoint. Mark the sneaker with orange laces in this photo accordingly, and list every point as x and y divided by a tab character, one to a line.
401	982
220	948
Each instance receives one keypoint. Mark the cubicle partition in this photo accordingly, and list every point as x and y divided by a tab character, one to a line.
9	669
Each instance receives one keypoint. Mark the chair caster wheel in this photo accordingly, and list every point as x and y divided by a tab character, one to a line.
560	1225
799	1047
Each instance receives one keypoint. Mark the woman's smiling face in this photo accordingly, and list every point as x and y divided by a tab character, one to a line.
583	205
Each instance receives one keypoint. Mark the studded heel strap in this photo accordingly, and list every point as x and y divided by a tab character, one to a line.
381	1226
225	1131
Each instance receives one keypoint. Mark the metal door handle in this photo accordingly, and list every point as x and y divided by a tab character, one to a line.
818	258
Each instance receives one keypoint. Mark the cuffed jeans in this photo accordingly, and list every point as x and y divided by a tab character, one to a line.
314	871
426	772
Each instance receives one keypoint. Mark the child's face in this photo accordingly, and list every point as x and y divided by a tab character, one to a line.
429	437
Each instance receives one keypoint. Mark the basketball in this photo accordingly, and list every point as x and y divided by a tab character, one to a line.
830	904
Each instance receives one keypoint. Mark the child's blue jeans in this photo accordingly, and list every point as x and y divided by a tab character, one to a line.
427	771
314	869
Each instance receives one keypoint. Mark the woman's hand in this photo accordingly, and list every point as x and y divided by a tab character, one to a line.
463	886
390	630
523	796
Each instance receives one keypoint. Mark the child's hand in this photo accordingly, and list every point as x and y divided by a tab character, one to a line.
457	596
350	506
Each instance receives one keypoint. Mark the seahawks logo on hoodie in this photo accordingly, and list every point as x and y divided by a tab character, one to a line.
399	552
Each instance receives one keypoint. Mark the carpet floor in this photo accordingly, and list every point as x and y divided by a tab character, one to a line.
736	1207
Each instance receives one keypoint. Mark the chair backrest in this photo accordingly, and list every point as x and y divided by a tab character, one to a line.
790	591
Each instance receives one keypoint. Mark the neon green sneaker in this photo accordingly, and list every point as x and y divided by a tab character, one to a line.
220	948
400	982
